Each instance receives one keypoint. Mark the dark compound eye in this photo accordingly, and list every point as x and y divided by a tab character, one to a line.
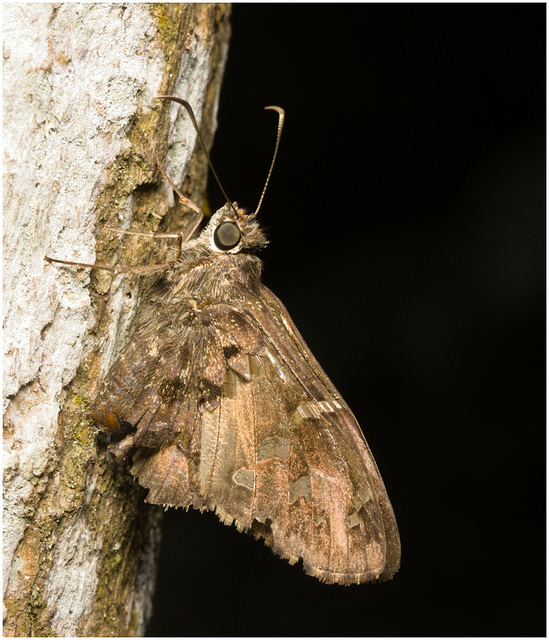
227	236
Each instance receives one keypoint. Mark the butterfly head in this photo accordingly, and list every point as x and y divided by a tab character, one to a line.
232	230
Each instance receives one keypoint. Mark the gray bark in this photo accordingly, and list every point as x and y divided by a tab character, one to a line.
81	133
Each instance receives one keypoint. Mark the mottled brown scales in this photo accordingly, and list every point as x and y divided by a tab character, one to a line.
225	408
170	390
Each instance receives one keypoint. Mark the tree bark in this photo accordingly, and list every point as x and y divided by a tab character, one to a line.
81	134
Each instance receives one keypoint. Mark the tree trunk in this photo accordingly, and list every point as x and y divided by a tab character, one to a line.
81	134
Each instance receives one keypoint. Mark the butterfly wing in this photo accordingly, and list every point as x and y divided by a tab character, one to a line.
247	424
328	444
284	456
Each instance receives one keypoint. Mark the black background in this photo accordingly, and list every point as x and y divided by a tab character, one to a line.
407	220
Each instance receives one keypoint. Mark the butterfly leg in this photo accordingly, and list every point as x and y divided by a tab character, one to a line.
183	237
143	269
183	199
151	268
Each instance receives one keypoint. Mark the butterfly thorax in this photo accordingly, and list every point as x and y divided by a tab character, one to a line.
205	275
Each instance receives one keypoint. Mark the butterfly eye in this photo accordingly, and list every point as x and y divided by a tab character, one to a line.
226	236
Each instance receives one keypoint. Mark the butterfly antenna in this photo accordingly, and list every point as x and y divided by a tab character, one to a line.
280	112
200	139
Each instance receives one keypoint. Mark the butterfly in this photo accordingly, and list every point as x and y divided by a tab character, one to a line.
218	404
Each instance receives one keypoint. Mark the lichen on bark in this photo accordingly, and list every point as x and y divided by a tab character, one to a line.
81	135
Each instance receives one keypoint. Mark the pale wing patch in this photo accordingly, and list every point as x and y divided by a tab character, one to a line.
276	364
245	365
314	409
277	447
245	478
300	488
353	520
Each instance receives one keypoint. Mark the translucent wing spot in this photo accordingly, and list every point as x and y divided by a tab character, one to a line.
241	365
229	385
326	407
317	519
361	497
245	478
276	365
277	447
308	410
247	366
353	520
300	488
